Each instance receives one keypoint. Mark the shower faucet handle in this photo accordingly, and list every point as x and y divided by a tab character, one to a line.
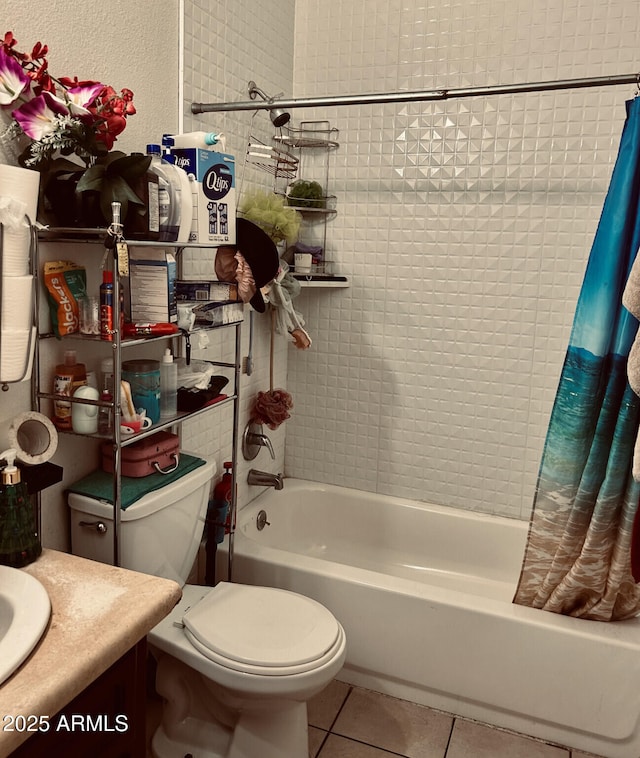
253	439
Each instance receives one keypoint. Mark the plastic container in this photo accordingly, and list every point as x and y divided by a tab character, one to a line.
168	385
222	496
19	540
84	417
67	378
144	225
144	377
169	207
202	140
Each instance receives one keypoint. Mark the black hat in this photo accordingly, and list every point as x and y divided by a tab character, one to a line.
260	252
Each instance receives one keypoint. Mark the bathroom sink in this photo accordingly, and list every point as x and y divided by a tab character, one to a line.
24	614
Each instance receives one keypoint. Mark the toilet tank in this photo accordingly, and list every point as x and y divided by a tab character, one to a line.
159	534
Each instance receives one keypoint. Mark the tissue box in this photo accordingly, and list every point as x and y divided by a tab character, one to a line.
217	314
201	291
150	293
214	194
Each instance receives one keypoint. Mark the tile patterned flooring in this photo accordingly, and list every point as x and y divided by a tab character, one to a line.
352	722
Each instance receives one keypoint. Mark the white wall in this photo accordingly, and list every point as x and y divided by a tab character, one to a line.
465	227
138	46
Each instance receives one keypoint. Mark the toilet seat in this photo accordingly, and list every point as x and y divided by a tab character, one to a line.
262	630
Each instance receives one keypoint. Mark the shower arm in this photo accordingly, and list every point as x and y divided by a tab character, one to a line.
411	96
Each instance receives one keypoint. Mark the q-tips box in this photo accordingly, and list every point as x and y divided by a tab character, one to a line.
214	194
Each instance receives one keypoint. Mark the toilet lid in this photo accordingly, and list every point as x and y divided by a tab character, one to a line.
246	627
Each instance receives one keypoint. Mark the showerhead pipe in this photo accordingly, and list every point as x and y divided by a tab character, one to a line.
278	116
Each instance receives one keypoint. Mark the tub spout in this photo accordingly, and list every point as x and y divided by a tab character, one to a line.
265	479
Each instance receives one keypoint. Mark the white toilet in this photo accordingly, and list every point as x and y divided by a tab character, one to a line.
236	663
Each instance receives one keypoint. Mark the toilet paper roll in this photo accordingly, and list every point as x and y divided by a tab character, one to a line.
34	437
17	301
22	185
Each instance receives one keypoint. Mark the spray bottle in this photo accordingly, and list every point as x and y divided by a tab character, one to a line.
19	541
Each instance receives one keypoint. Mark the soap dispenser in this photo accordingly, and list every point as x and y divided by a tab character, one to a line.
19	541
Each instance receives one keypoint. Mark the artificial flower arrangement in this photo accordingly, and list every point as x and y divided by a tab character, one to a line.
51	118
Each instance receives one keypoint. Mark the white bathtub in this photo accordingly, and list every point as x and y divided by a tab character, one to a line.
424	594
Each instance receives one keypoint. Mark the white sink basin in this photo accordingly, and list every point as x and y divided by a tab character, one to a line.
24	614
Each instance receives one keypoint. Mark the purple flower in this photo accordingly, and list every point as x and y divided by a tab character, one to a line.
13	80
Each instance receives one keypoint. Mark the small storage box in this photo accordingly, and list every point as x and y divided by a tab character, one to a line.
159	453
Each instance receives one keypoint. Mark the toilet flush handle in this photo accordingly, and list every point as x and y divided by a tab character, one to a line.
99	526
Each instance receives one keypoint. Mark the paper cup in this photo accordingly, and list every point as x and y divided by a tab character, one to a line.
14	354
303	263
17	302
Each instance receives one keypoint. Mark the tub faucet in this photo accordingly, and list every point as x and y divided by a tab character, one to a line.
265	479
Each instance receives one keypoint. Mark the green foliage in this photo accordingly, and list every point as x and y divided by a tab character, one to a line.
305	194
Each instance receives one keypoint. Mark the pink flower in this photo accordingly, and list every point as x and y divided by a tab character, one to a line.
13	80
37	118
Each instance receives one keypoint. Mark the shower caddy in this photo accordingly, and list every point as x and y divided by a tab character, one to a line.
93	237
312	143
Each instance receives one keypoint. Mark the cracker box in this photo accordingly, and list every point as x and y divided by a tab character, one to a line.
214	194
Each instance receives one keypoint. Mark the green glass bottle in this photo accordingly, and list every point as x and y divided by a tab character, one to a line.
19	540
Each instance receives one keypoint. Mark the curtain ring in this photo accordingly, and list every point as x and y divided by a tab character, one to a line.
637	84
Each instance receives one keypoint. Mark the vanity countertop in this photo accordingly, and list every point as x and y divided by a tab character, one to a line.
98	612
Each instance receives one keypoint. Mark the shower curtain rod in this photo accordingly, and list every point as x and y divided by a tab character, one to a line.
417	95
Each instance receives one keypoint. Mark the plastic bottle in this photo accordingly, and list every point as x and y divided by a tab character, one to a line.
106	306
67	378
19	541
144	225
202	140
222	496
168	385
185	193
168	201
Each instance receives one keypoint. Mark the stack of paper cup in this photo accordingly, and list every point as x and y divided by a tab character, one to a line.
18	202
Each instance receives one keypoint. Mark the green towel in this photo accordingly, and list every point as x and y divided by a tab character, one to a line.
99	484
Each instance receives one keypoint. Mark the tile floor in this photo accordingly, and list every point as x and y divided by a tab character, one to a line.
351	722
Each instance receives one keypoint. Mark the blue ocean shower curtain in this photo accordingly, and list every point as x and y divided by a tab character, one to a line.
578	555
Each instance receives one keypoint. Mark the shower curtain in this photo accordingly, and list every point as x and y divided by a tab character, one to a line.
577	559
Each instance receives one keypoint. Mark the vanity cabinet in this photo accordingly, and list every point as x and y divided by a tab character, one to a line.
106	720
122	349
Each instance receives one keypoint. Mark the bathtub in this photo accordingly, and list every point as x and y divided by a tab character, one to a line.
424	594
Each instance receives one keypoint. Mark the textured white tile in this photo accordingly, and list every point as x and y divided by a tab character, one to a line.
465	227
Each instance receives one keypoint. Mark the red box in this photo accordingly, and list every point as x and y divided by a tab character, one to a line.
159	453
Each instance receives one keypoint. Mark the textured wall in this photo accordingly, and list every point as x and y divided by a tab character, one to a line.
226	45
464	226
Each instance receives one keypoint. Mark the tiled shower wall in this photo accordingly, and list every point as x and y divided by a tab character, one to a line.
227	43
464	227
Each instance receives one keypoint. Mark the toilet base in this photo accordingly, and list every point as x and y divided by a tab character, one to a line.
197	725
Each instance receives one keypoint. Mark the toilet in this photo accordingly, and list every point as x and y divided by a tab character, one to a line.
236	663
